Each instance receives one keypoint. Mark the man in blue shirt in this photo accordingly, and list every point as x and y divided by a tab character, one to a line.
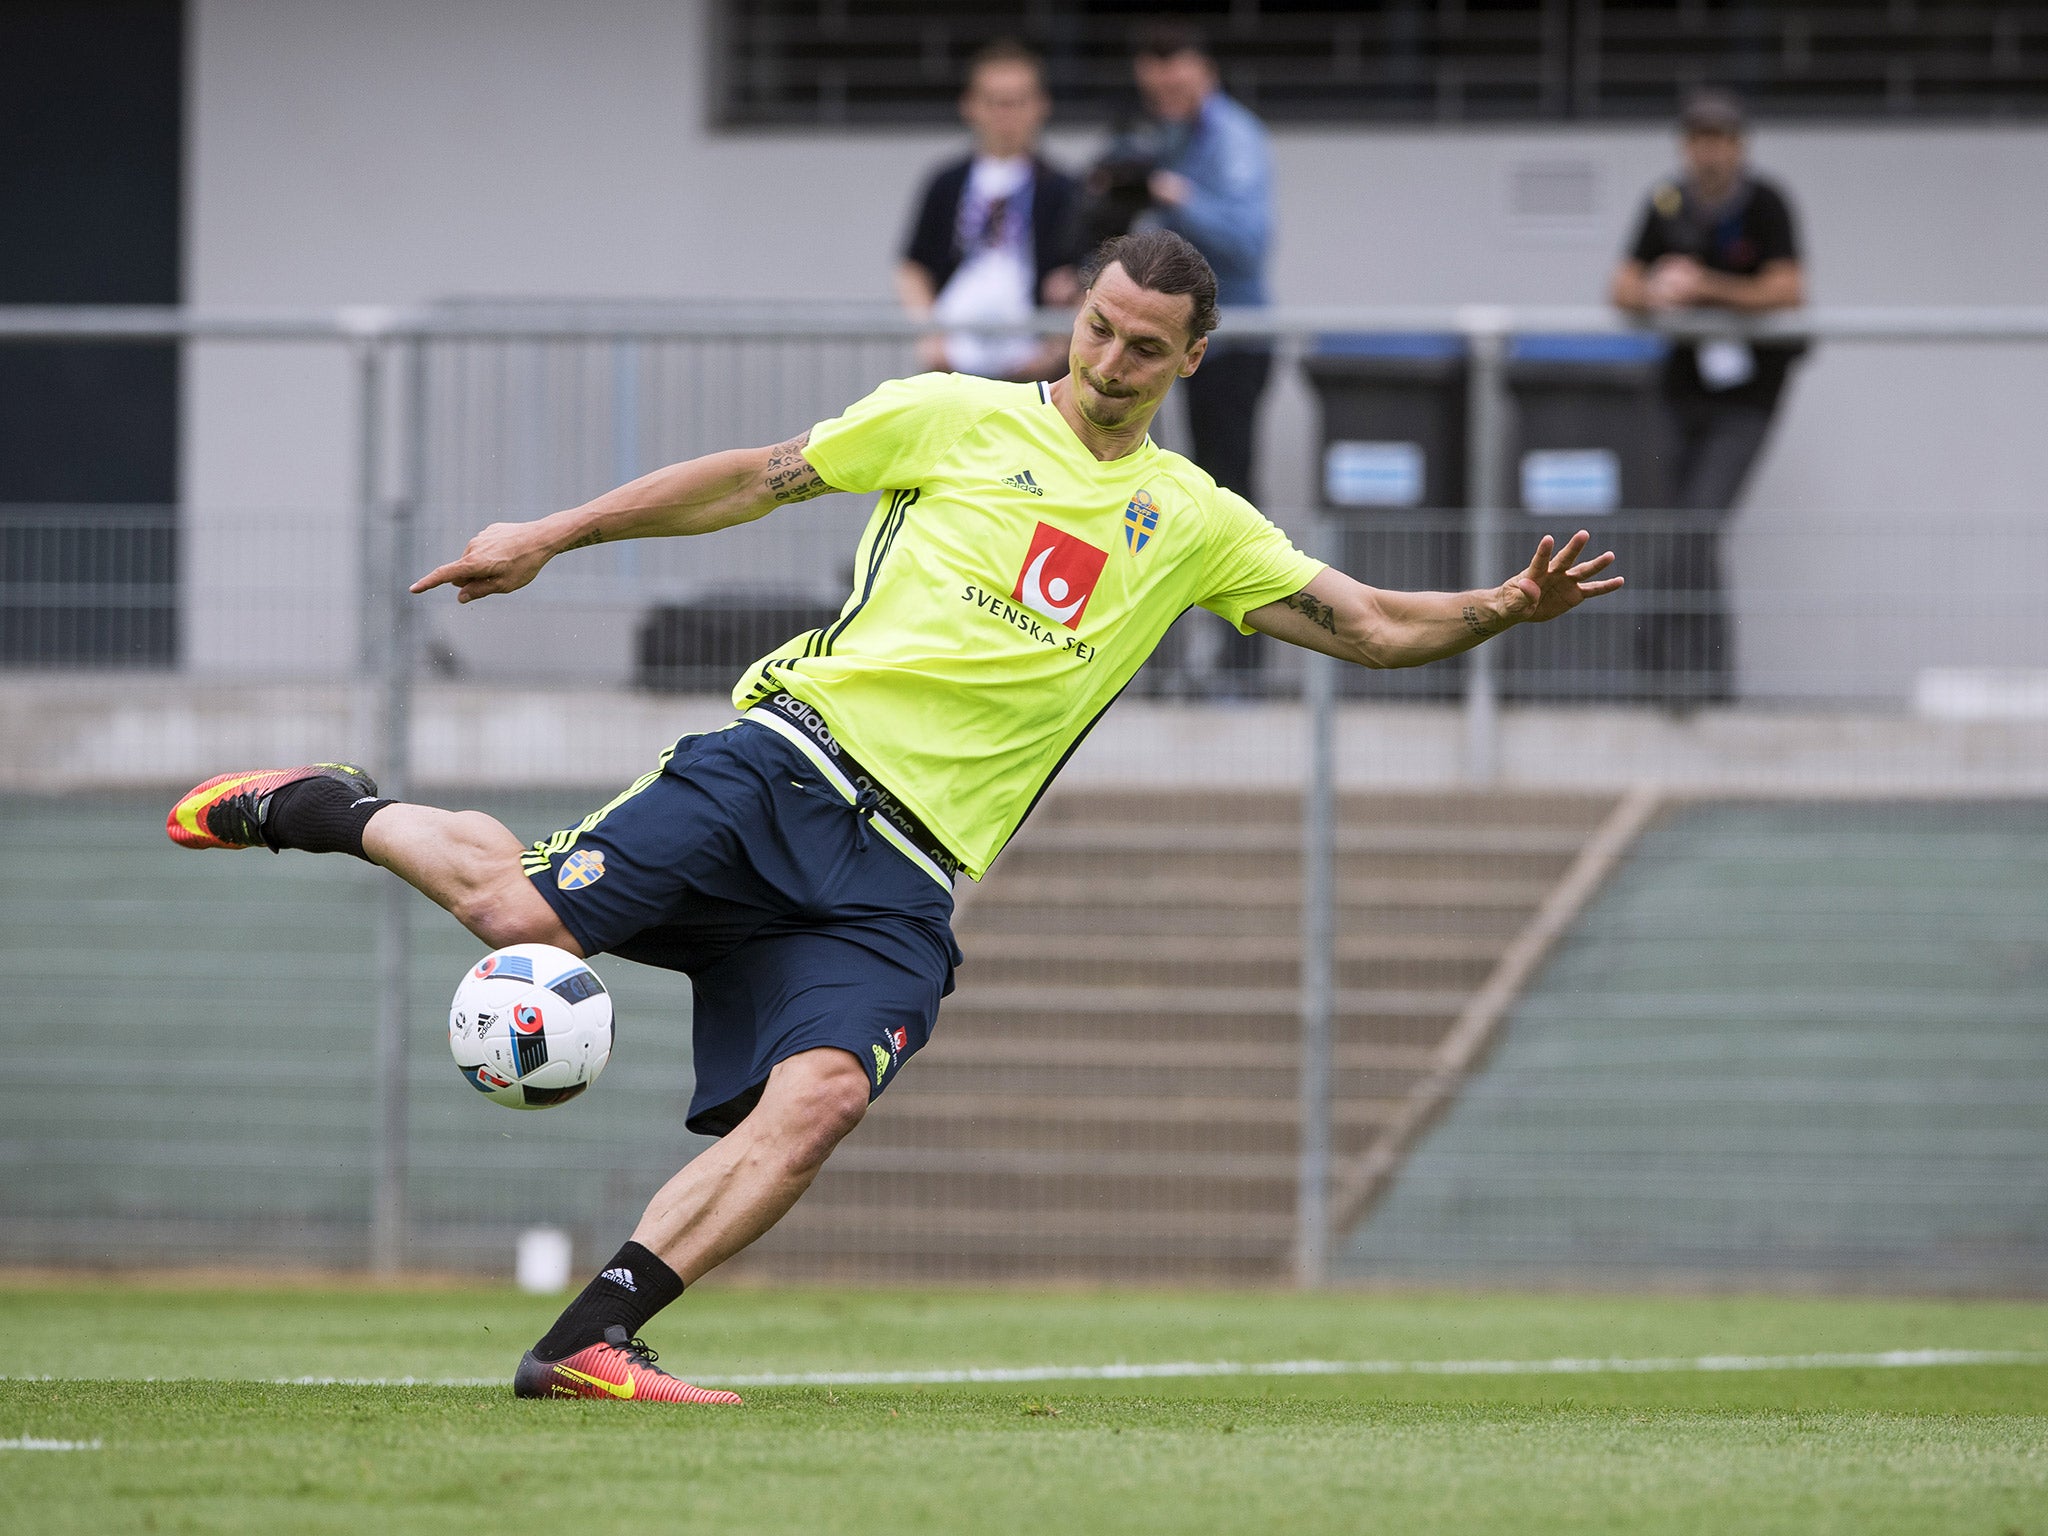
1213	184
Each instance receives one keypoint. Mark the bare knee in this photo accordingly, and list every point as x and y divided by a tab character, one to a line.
506	909
814	1098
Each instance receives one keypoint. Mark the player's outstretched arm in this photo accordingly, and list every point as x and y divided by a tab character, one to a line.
1345	618
702	495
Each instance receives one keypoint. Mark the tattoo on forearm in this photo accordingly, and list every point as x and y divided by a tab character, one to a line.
1477	625
1314	610
584	541
790	475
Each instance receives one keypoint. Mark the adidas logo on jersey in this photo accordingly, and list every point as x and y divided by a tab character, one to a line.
622	1278
1022	481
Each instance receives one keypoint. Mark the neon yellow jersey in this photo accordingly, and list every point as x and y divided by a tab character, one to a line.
1006	588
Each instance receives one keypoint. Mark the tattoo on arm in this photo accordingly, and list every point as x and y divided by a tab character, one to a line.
790	475
594	536
1316	611
1477	625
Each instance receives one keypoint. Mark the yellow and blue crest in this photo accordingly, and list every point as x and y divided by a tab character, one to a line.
583	867
1141	521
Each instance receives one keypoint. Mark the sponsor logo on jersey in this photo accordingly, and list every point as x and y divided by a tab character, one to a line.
583	867
1141	521
898	1040
1059	575
1022	481
883	1061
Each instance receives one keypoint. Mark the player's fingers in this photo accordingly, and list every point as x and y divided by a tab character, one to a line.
439	575
1592	567
1541	558
1596	588
1570	552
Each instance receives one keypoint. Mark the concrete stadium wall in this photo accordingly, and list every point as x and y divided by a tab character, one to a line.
383	152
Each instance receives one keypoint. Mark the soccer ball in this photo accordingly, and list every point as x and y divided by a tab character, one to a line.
531	1026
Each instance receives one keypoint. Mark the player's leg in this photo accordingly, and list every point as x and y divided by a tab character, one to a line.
464	860
467	862
734	1192
722	1201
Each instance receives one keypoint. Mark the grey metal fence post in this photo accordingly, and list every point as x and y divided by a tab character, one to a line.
394	936
1318	962
1486	459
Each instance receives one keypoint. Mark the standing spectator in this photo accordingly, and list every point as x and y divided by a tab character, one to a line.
993	235
1715	237
1210	180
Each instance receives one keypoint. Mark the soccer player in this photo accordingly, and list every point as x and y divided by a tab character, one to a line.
1031	546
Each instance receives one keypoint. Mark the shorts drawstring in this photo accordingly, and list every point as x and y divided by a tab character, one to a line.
864	805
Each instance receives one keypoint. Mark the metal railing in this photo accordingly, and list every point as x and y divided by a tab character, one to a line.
406	365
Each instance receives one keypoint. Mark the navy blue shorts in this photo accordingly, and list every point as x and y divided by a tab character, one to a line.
798	924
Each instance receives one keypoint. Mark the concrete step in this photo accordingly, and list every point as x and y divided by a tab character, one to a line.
989	912
1221	872
1109	896
1055	1001
1397	808
1268	838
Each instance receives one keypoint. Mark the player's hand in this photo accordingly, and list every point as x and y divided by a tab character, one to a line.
1556	581
502	558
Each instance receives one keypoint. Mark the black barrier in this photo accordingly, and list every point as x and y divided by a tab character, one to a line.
1393	456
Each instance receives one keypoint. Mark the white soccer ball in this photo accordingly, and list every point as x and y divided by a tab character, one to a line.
531	1026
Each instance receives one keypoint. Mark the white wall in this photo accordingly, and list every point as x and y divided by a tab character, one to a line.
387	152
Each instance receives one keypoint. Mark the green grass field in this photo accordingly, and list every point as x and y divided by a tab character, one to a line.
224	1440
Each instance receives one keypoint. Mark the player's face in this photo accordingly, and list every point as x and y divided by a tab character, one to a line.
1006	107
1130	344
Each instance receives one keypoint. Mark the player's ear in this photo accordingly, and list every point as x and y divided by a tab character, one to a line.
1193	360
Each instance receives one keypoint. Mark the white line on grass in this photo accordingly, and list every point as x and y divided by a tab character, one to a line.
1896	1359
30	1443
1885	1360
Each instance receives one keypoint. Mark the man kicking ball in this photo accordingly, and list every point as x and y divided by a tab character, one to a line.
1031	547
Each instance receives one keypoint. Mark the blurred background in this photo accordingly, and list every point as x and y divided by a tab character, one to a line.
1696	941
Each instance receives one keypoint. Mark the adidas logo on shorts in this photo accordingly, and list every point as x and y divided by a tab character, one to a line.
622	1278
1022	481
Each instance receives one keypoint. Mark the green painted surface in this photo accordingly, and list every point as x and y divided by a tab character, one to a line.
189	1039
1786	1040
1860	1450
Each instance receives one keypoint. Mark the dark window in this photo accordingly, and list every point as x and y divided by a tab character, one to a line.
852	62
90	156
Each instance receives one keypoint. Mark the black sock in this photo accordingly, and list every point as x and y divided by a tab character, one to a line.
319	815
633	1287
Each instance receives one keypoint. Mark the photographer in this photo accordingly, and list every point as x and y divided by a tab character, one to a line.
1199	164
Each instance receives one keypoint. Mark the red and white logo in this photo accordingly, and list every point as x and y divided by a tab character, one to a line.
1059	575
898	1039
526	1018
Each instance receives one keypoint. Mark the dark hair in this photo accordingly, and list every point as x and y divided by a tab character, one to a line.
1004	50
1162	261
1164	39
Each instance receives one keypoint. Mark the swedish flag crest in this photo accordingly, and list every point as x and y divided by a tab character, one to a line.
1141	521
583	867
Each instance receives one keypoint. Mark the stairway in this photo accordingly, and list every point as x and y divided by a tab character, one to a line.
1111	1093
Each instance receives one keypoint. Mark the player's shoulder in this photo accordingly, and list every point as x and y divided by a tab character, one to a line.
958	394
1180	478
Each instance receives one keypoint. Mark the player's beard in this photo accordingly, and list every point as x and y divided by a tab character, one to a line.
1110	411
